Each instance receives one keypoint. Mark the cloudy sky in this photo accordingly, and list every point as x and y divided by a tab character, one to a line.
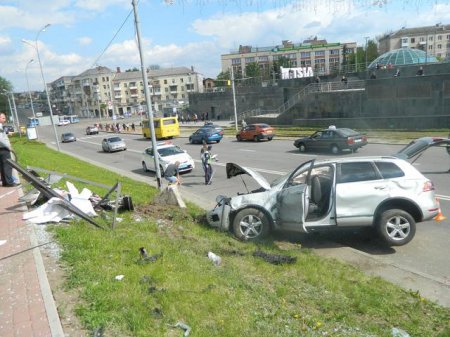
85	33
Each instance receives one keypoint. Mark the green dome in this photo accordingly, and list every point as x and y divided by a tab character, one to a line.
403	56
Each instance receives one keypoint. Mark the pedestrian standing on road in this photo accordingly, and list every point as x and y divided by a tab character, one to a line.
5	154
172	174
207	158
133	127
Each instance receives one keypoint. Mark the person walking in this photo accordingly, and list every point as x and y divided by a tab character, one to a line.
5	154
172	174
206	158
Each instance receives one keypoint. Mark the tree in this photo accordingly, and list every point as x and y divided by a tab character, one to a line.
281	62
252	70
5	85
223	78
130	70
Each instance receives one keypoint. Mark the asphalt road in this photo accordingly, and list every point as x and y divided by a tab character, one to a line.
425	259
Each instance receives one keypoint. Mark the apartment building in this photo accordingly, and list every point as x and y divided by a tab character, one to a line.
321	56
434	40
169	89
102	92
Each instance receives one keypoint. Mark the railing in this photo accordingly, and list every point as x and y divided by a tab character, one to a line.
309	89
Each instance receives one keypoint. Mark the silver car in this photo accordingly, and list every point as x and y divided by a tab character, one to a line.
113	143
385	193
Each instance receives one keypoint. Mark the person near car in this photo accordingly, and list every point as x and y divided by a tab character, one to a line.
8	179
243	123
172	174
206	158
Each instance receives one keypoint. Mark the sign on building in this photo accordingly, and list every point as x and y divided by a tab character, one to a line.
300	72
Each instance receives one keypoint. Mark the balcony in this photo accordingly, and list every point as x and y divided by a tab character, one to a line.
118	96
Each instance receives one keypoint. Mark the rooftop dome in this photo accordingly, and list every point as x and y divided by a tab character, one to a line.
403	56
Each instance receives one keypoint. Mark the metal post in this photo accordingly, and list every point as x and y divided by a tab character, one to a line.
366	49
147	96
234	99
16	115
35	46
31	98
10	108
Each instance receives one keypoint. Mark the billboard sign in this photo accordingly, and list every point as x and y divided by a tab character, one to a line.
300	72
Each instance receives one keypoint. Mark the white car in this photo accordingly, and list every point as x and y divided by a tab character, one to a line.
63	122
168	154
385	193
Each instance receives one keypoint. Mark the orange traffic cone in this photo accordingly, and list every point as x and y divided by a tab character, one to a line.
439	216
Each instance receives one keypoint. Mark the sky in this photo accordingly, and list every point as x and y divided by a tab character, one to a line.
182	33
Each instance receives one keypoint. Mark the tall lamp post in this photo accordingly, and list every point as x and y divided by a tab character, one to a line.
29	94
35	46
13	110
367	38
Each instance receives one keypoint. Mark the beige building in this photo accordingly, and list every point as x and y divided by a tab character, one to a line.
434	40
321	56
101	90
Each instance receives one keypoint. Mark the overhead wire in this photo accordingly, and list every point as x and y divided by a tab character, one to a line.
113	38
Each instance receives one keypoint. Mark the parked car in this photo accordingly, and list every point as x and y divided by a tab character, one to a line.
68	137
168	154
92	130
9	129
418	146
256	132
113	143
385	193
207	135
332	139
63	122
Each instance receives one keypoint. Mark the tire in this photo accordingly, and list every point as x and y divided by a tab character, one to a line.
355	150
251	224
302	147
238	138
218	141
191	141
269	139
396	227
144	166
255	139
334	149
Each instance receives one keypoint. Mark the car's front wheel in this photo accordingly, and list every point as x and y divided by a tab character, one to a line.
251	224
302	147
396	227
191	140
144	166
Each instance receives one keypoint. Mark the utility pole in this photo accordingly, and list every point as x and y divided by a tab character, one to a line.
234	99
366	49
16	115
147	97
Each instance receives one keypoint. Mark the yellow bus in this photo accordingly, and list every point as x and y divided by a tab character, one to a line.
166	127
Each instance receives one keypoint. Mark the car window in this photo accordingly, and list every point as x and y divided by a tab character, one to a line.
389	170
317	135
348	132
149	152
356	171
170	151
114	139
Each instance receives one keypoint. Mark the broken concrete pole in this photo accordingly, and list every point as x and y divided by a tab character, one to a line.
170	196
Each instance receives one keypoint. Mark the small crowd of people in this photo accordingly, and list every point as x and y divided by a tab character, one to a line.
188	117
116	127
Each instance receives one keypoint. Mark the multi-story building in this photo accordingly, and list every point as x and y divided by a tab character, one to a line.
169	89
321	56
101	92
434	40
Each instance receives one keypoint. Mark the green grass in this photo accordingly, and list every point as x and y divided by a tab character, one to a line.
245	296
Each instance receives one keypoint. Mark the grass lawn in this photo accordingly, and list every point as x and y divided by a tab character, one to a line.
244	296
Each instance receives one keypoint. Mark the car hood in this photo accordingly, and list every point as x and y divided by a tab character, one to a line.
235	170
182	157
419	145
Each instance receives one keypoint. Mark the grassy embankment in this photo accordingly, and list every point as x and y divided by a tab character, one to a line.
244	296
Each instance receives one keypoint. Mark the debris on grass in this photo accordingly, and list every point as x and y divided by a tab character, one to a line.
275	259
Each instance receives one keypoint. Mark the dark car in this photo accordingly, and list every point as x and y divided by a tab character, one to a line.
333	140
418	146
206	135
68	137
256	132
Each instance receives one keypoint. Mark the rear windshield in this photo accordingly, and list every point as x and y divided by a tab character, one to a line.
170	151
348	132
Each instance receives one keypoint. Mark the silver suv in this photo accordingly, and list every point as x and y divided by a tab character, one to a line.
386	193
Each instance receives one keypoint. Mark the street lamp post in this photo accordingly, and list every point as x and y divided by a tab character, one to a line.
36	47
6	93
13	110
367	38
29	93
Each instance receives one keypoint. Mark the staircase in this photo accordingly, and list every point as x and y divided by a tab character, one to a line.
358	85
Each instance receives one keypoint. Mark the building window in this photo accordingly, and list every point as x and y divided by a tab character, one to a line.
165	81
306	63
249	59
405	40
276	57
181	80
235	61
263	58
422	39
291	56
334	52
430	47
413	40
430	38
173	81
319	53
439	37
439	46
305	54
166	89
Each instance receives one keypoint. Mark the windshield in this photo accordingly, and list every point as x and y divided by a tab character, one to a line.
114	140
170	151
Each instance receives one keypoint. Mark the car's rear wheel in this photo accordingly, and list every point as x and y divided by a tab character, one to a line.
396	227
251	224
302	147
269	139
144	166
191	140
334	149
